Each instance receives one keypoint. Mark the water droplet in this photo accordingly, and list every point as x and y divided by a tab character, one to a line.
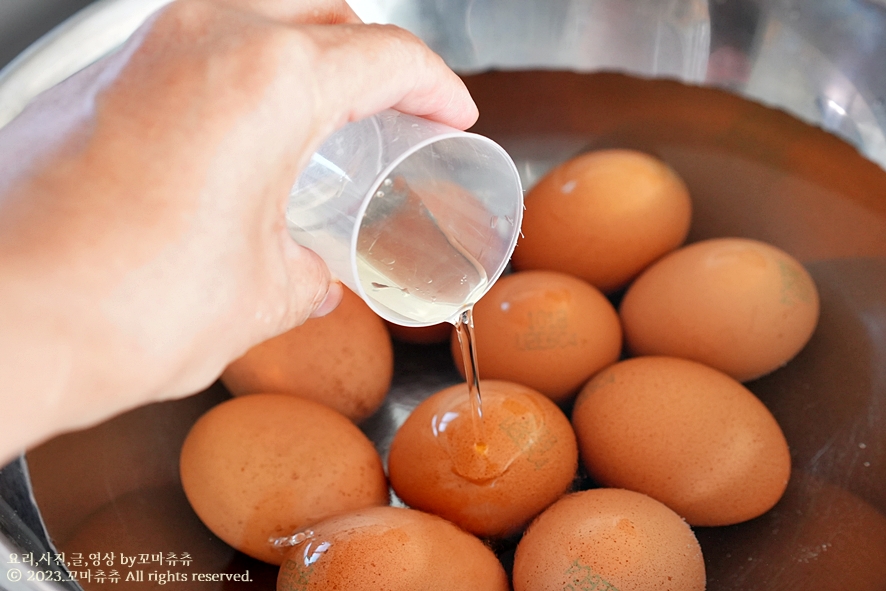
493	222
387	182
568	187
862	445
439	424
311	555
379	194
293	540
509	220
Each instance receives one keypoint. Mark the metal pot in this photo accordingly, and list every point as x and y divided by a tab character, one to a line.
557	67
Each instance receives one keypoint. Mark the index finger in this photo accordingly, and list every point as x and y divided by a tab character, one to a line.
316	12
364	69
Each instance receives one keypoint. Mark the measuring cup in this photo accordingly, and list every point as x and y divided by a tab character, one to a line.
417	218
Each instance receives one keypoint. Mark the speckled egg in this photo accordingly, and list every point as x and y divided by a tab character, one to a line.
490	477
604	216
546	330
685	434
393	549
264	466
738	305
344	360
608	539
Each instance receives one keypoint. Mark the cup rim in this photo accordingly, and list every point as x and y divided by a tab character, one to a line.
386	312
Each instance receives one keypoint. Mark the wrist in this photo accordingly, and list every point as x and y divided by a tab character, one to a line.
36	363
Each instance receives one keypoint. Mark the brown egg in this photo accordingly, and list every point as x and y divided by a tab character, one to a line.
421	335
738	305
267	465
390	548
604	216
608	539
685	434
344	360
546	330
491	479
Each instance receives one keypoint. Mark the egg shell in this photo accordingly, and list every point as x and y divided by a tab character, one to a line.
608	539
268	465
685	434
546	330
528	458
390	548
604	216
344	360
738	305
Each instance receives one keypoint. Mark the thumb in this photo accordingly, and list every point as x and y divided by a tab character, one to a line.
330	301
312	291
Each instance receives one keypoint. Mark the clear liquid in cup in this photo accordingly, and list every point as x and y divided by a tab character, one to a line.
407	259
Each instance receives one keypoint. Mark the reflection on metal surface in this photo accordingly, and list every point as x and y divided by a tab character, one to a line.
23	21
20	520
90	34
651	37
795	71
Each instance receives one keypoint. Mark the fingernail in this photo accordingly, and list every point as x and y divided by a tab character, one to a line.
330	302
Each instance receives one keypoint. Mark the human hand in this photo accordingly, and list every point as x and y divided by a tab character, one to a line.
143	244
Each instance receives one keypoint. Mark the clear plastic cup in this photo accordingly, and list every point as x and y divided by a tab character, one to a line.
417	218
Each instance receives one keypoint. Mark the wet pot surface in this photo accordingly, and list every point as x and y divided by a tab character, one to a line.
752	171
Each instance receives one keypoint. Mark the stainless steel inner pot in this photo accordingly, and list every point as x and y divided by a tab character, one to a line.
822	62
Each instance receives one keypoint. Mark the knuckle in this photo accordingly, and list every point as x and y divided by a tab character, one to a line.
304	46
188	16
398	39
